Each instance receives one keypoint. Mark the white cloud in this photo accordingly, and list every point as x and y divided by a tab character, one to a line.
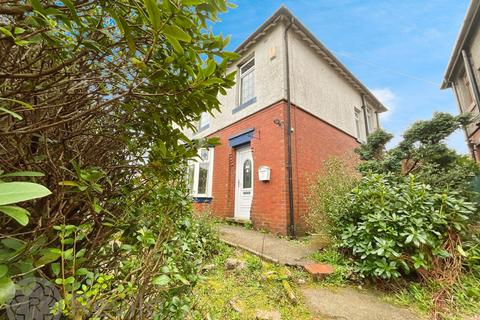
388	98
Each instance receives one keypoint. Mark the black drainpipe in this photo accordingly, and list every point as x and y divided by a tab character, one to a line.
471	77
467	138
364	107
291	223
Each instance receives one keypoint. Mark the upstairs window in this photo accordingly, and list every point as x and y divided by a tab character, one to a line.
370	120
200	172
467	93
204	121
359	125
247	81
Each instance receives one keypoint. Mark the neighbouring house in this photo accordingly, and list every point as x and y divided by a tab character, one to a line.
463	75
293	106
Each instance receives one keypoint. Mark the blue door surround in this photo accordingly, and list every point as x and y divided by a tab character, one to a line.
241	138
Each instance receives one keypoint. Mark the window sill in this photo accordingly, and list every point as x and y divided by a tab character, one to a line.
199	199
205	127
244	105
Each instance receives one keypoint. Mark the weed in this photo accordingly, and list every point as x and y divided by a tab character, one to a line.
247	289
342	268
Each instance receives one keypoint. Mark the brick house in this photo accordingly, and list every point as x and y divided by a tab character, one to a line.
294	105
463	75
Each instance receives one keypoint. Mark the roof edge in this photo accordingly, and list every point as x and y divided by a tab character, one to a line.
283	11
471	15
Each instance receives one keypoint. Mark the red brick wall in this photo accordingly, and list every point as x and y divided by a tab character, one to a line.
313	141
268	148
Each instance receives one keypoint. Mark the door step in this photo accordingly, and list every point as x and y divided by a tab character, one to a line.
239	221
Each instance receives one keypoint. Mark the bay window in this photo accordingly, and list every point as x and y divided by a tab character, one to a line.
200	173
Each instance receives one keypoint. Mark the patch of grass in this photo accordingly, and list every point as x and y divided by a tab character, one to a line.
465	299
342	268
256	287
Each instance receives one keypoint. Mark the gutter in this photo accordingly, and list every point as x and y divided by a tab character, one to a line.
471	77
467	138
365	120
291	215
464	33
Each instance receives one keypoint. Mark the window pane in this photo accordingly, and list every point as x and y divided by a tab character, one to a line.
204	120
202	178
369	121
247	174
247	87
249	65
357	123
191	173
204	154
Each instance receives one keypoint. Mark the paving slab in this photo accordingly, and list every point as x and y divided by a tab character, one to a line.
352	304
269	246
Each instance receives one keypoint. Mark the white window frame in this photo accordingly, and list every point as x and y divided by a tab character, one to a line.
204	121
196	173
243	75
359	124
370	124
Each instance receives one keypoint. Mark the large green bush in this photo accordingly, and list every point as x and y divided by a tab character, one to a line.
327	192
97	96
395	226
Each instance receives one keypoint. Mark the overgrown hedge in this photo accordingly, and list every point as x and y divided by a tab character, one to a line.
95	95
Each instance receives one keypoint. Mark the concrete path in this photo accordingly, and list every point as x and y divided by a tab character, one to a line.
268	246
325	303
352	304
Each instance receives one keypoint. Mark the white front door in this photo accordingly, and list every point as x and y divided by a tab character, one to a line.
244	183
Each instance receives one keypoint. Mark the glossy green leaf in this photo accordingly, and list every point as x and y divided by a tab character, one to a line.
7	290
6	32
49	255
17	213
154	13
176	33
175	44
161	280
3	270
36	5
13	192
192	2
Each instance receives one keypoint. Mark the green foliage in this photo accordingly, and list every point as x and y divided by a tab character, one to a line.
254	263
394	226
374	148
249	289
98	96
423	152
465	299
342	267
14	192
327	193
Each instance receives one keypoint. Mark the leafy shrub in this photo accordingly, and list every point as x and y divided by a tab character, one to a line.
112	88
327	193
393	226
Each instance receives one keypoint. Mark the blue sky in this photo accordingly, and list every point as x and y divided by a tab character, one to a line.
398	49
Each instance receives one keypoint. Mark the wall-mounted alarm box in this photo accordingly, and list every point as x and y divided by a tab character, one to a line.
264	173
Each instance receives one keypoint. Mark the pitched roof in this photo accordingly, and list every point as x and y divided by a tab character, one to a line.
465	31
283	14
